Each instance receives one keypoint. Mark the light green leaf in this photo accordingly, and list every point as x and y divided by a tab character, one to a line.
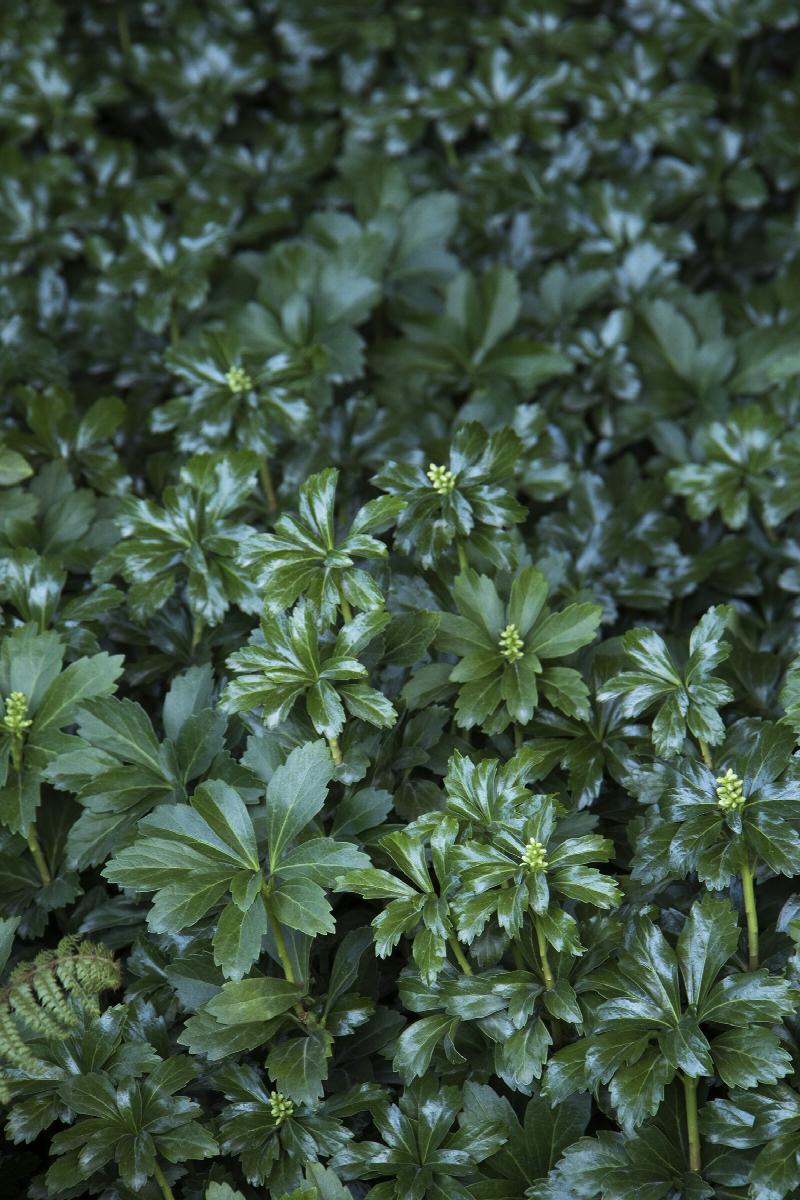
295	794
301	905
243	1001
299	1066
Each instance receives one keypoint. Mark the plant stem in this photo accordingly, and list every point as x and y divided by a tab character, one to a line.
451	154
197	631
35	848
546	972
122	30
748	891
280	941
347	613
16	752
283	953
706	753
336	753
160	1179
174	331
462	557
460	957
517	736
690	1092
267	487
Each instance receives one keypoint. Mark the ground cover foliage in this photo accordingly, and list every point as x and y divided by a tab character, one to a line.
399	561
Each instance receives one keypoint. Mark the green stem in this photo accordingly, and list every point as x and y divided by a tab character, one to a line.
462	557
17	742
35	848
748	890
197	631
706	753
546	972
459	954
174	331
283	953
347	613
267	487
122	30
517	736
690	1092
160	1179
336	753
280	941
451	154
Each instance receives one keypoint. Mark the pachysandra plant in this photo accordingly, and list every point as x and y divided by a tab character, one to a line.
728	820
190	539
421	1151
687	695
521	874
604	744
506	650
231	396
295	658
762	1123
464	501
121	770
399	576
656	1009
304	557
750	459
276	1138
193	855
418	908
39	700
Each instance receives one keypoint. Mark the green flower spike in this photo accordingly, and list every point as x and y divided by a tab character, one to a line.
730	791
511	644
15	722
535	856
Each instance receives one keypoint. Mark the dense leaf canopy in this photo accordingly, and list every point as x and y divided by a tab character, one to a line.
399	622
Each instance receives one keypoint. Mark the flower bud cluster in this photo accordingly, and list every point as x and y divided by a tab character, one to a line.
442	479
511	644
730	791
535	856
238	380
16	719
280	1108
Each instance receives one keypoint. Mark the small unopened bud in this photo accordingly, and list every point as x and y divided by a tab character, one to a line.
15	722
442	479
16	718
280	1107
238	380
511	644
535	856
730	791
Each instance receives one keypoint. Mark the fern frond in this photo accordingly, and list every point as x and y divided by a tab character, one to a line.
44	997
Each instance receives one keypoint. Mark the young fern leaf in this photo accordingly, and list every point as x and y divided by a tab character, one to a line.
43	998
